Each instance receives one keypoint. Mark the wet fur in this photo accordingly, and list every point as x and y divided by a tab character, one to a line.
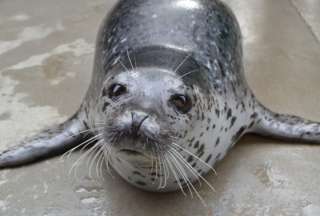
207	58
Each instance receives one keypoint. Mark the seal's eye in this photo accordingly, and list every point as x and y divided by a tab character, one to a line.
116	90
182	103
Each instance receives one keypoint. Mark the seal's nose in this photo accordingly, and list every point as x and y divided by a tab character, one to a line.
137	120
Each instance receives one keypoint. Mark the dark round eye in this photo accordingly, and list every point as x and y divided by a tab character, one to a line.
116	90
182	103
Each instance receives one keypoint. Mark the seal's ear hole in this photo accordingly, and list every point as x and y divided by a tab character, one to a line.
116	90
182	103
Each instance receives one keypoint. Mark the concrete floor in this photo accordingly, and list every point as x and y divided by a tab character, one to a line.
46	52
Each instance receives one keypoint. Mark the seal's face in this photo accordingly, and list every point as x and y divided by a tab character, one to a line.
147	110
148	113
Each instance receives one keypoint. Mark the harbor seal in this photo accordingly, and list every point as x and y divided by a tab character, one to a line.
168	97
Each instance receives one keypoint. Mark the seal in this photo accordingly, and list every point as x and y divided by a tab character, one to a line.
168	97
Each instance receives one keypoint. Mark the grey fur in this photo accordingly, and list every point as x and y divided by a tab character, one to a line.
156	49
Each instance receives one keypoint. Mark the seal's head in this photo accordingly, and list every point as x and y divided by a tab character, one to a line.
150	114
147	106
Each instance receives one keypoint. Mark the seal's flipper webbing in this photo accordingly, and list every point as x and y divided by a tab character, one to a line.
285	127
48	143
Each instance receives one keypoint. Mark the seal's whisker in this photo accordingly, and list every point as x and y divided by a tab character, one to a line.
168	172
135	61
199	159
122	65
172	170
197	193
93	129
162	175
88	131
186	74
98	164
107	153
98	128
130	60
108	159
182	62
152	164
156	161
105	159
89	142
163	183
93	159
188	182
156	170
175	174
182	172
100	123
185	176
83	144
194	171
91	156
76	163
160	171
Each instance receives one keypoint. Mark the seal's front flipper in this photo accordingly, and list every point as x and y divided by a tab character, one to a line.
285	127
51	142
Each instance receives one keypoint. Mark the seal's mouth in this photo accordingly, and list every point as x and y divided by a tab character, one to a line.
131	152
145	143
137	158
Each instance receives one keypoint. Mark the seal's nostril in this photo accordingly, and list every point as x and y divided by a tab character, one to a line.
137	121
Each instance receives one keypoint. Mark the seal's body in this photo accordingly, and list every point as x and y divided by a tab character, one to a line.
168	97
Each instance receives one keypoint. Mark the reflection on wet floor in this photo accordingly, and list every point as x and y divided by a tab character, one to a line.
46	54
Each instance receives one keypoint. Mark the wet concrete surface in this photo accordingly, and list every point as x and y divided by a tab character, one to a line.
46	53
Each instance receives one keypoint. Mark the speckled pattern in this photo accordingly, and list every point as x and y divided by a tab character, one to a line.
268	174
206	55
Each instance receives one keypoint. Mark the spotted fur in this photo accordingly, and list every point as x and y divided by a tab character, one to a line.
156	48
